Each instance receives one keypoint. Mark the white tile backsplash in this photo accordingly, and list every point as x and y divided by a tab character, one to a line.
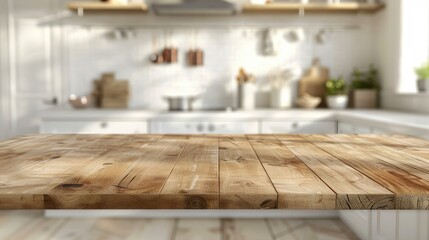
91	52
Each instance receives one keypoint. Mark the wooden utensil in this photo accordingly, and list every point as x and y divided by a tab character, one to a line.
313	82
195	56
169	53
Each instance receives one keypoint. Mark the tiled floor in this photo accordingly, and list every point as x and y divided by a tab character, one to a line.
32	225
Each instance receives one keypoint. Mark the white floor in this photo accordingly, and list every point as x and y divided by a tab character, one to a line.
34	225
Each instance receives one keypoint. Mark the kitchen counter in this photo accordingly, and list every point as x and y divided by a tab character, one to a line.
140	114
214	172
398	120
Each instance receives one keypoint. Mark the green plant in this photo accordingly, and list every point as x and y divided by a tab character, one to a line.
336	86
365	80
423	71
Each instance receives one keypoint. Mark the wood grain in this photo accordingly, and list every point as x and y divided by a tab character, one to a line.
297	186
282	8
354	190
243	180
100	6
210	172
194	181
128	170
411	192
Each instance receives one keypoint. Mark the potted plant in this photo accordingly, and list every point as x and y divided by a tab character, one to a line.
336	93
365	88
423	78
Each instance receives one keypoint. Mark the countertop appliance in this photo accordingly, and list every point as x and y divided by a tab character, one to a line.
180	103
194	7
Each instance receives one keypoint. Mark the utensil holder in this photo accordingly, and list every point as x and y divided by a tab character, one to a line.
281	97
246	96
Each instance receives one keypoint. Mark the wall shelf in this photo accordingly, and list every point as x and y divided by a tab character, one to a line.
107	7
270	8
312	8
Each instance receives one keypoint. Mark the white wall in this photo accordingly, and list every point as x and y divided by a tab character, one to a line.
227	49
387	41
30	73
414	42
75	51
402	45
4	70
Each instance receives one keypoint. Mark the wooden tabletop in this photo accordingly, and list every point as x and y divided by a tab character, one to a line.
214	172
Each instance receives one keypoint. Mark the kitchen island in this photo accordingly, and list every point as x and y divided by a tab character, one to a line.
323	172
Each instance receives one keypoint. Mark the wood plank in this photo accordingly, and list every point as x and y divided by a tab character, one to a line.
100	6
248	229
194	181
316	229
414	165
297	186
154	229
184	172
405	145
122	179
396	140
75	228
39	229
243	180
411	192
196	229
37	171
354	190
12	222
279	227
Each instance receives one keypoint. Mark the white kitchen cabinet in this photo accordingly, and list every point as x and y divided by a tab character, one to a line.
304	127
380	131
399	225
388	224
347	128
204	127
359	221
383	224
94	127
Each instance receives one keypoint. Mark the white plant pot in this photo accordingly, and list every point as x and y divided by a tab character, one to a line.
423	85
281	97
337	102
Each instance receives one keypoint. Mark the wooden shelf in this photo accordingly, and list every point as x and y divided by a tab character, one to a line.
101	7
269	8
312	8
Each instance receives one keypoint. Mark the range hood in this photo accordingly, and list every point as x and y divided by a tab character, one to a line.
193	7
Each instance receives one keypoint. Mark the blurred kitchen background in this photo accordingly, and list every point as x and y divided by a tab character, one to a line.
56	52
208	66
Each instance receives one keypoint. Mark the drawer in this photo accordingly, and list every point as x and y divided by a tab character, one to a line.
359	221
346	128
93	127
299	127
195	127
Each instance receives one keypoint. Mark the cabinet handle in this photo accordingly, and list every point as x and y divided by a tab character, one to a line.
212	127
295	125
53	101
200	127
103	125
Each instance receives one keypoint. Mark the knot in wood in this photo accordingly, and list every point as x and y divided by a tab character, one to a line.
195	202
268	204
